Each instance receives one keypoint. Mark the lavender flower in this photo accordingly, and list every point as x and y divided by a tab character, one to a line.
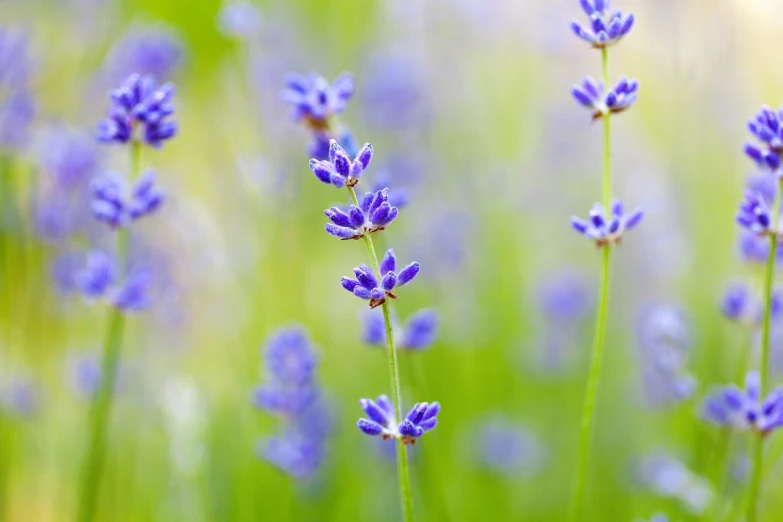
767	127
394	96
604	229
418	332
508	448
17	105
239	19
68	157
133	294
604	29
292	393
731	406
755	249
421	419
670	478
139	103
110	205
314	100
374	213
590	94
740	304
366	285
754	214
98	279
339	170
154	51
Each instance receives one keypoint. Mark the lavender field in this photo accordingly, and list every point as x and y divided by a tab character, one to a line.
391	261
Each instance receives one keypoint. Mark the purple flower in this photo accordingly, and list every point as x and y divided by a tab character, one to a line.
564	298
754	214
98	279
421	419
313	100
133	294
339	170
590	94
20	396
86	375
418	332
366	285
148	51
755	249
381	180
112	207
767	127
17	105
395	94
604	29
508	448
97	276
138	103
732	406
374	213
295	452
239	19
668	477
604	229
68	157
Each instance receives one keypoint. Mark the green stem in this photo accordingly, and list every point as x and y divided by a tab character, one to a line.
607	178
101	410
394	376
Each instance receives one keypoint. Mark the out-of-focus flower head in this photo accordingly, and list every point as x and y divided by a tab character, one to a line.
294	452
313	100
732	406
154	50
85	375
19	395
670	478
605	29
754	215
17	105
98	279
68	157
339	170
767	127
366	285
112	206
394	94
603	229
374	213
755	249
239	19
590	94
741	304
421	419
139	106
508	448
418	332
564	298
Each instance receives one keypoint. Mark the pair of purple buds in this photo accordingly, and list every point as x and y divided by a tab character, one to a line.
98	279
366	285
138	102
590	94
339	170
767	126
603	30
603	229
732	406
421	419
112	206
374	213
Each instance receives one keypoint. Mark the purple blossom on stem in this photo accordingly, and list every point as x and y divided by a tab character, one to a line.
755	249
767	127
339	170
604	29
418	332
732	406
98	279
17	105
112	207
313	100
740	304
138	103
421	419
590	94
754	214
603	229
374	213
154	51
366	285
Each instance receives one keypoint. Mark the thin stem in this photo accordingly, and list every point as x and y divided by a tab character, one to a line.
769	278
101	409
607	178
591	391
394	377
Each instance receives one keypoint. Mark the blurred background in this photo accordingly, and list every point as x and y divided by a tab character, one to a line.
467	105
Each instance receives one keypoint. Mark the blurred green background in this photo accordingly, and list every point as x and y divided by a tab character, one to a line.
496	156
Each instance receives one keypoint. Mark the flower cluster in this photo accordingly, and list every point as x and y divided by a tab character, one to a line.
604	29
607	229
767	127
590	93
755	249
99	279
418	332
111	206
292	393
374	213
754	215
421	419
139	103
154	50
366	285
339	170
732	406
741	304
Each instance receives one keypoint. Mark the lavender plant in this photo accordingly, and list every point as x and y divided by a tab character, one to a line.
139	114
608	221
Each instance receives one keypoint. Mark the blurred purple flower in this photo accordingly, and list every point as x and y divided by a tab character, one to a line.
17	105
604	229
731	406
508	448
84	373
394	94
418	332
111	206
564	298
755	249
154	51
239	19
19	396
670	478
605	29
138	103
98	279
69	157
755	216
313	100
295	452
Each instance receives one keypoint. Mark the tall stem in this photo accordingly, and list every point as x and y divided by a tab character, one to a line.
101	409
591	390
394	377
769	278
